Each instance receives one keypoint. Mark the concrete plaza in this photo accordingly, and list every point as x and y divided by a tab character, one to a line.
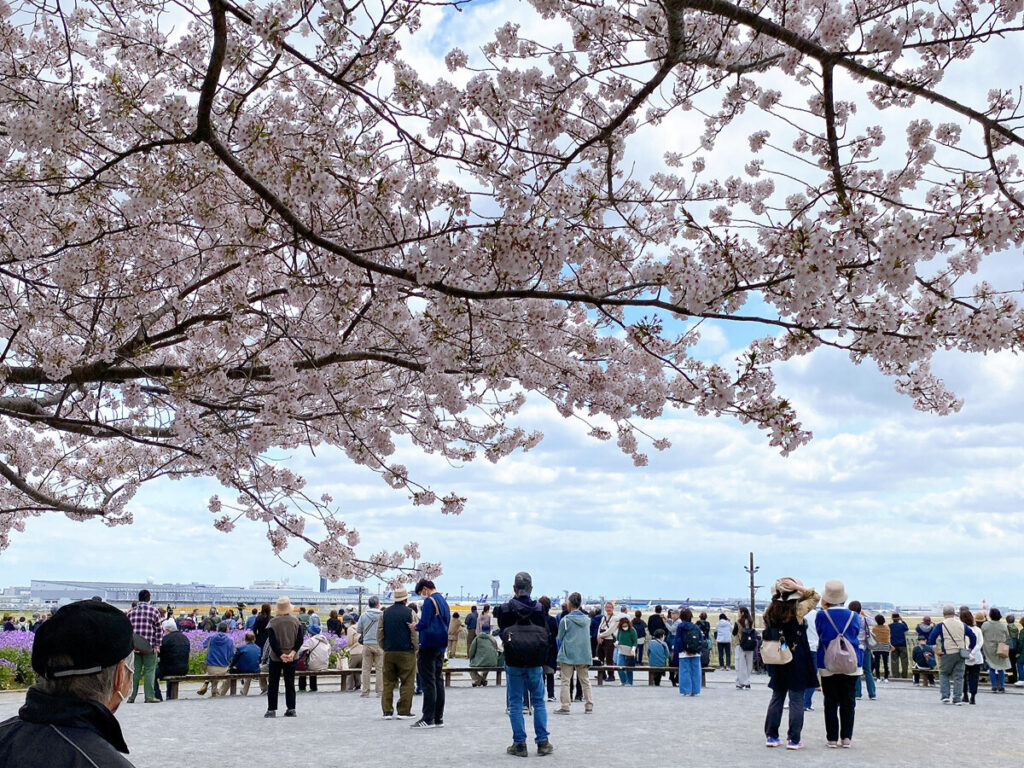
635	726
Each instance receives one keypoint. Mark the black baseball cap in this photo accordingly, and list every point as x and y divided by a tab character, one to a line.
81	639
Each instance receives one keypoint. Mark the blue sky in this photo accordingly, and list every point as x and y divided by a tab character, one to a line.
903	506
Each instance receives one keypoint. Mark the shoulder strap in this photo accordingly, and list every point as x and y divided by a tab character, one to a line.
437	607
848	622
830	621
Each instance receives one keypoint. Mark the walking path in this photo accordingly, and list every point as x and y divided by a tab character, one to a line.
630	728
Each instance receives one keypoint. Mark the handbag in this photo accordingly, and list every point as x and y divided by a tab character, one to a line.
775	652
1003	650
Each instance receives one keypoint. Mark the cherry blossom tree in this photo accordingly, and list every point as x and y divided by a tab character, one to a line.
235	229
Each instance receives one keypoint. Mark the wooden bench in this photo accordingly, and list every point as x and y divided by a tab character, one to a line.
484	670
704	672
931	674
175	680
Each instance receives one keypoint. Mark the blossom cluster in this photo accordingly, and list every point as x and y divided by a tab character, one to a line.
293	244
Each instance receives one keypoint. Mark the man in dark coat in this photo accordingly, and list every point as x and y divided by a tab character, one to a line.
174	650
82	658
517	613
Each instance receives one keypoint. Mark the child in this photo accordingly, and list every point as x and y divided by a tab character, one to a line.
658	654
924	658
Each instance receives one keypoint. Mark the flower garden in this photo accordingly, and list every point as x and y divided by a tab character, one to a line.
16	654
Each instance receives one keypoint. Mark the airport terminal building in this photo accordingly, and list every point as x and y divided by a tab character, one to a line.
49	592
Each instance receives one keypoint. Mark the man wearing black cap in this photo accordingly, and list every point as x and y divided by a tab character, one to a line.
82	657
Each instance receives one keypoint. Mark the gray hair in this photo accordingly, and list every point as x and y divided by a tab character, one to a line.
373	602
948	610
97	687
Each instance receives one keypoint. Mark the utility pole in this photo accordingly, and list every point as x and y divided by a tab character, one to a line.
360	593
753	587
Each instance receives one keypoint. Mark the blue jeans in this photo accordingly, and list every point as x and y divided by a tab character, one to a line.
867	679
808	698
689	675
626	675
521	680
998	678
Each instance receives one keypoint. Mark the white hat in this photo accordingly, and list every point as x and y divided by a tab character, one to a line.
169	626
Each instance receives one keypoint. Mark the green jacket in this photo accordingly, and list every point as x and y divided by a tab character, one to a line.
483	652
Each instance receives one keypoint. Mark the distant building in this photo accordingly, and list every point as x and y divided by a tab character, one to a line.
44	591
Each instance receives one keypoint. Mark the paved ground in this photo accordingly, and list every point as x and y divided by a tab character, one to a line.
629	727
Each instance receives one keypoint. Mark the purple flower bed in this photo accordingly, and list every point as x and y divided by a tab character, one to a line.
16	659
16	653
20	640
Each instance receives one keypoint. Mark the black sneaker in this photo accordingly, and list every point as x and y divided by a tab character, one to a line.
517	750
422	724
270	713
545	748
290	713
439	723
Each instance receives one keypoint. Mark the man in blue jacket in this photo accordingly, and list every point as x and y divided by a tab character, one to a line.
515	618
898	640
952	641
433	629
220	649
247	659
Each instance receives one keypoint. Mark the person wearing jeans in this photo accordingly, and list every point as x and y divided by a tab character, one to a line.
625	649
953	642
869	678
523	681
689	663
995	633
525	675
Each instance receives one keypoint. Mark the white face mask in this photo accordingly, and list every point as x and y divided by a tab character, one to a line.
129	666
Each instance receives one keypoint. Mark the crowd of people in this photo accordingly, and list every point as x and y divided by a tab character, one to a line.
89	657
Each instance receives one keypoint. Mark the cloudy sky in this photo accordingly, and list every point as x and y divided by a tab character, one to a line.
903	506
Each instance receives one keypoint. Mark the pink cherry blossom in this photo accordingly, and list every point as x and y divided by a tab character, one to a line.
236	231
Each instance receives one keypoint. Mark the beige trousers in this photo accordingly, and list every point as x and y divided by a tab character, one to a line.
581	672
373	658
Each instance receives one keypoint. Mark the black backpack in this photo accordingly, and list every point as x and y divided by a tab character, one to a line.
526	645
748	639
693	640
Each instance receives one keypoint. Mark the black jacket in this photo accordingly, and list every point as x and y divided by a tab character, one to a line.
520	608
259	628
174	650
655	623
394	622
52	731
